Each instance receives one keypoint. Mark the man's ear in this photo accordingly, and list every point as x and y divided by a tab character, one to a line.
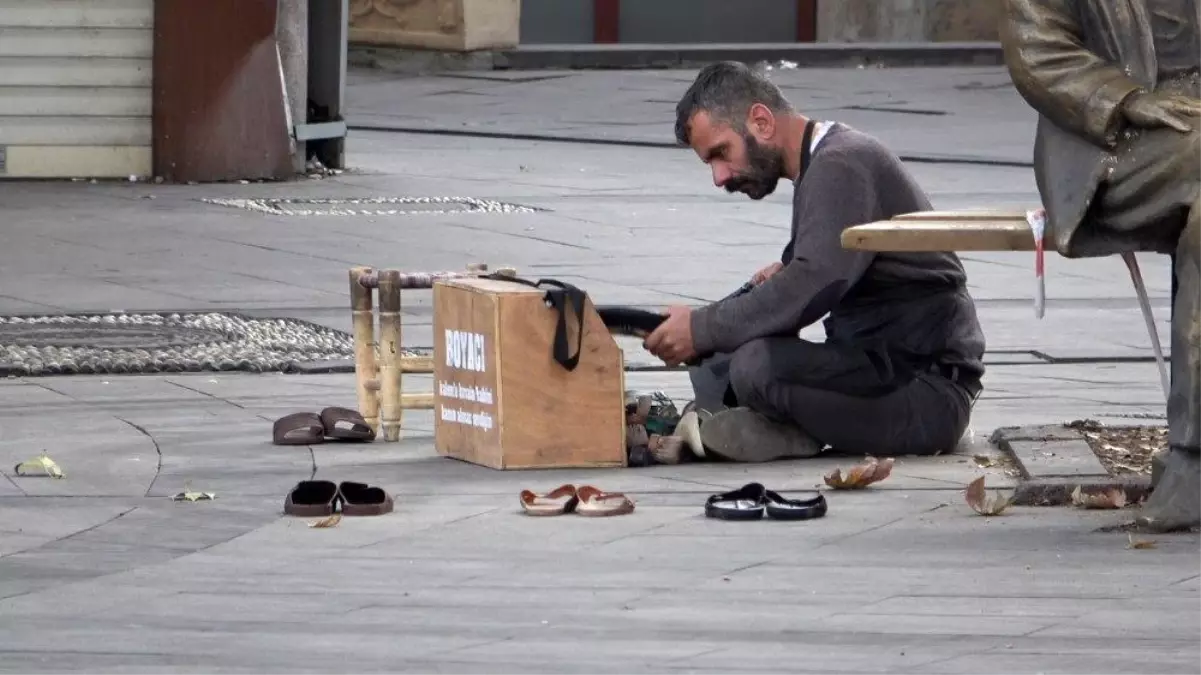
761	122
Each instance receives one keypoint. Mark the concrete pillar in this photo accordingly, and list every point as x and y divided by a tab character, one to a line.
292	35
907	20
963	20
449	25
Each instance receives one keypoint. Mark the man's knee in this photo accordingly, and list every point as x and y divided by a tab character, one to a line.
750	371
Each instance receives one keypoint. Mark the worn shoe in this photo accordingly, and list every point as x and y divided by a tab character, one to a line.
810	505
596	502
557	502
1175	503
629	320
360	499
312	499
746	503
743	435
302	428
345	424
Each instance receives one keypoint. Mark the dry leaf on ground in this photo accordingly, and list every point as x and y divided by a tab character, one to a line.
1113	498
1126	449
328	521
983	503
193	496
870	471
190	495
1139	543
42	463
984	461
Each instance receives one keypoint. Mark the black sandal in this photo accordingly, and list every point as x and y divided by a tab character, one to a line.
746	503
779	508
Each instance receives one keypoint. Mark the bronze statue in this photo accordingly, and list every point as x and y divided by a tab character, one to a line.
1117	85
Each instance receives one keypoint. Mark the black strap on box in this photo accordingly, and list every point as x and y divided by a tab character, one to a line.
558	296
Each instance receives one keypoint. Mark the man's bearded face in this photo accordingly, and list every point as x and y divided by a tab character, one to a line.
764	166
739	162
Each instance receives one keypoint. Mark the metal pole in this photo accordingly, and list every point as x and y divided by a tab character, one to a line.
1144	303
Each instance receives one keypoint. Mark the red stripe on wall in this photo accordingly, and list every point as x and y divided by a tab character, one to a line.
806	20
606	20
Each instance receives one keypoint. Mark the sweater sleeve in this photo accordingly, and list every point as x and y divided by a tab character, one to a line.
835	194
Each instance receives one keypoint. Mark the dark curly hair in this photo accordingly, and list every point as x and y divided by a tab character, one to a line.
727	90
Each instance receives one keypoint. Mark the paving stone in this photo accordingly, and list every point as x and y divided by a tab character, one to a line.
1044	433
1057	458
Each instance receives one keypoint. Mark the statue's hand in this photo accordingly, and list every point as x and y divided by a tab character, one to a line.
1148	110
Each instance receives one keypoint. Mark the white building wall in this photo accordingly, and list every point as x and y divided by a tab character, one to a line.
75	96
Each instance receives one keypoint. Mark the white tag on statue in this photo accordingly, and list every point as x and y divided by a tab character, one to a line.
1038	225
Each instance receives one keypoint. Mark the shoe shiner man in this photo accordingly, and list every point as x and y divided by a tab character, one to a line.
901	363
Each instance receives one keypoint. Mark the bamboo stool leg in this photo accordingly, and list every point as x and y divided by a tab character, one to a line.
418	400
417	363
379	382
364	347
390	354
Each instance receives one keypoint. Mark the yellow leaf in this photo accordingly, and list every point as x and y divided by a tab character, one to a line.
328	521
982	503
984	461
190	495
43	463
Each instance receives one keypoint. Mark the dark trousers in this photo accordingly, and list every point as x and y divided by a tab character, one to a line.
842	396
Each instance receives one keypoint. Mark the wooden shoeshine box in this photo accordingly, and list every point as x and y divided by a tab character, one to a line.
502	400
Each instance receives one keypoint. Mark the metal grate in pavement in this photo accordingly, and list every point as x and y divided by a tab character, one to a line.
370	206
153	343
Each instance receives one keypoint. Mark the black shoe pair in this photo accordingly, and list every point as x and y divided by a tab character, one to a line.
752	500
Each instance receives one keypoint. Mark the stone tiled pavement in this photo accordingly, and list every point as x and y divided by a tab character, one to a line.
100	571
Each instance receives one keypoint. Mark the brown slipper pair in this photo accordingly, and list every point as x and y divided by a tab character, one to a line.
315	498
584	500
306	428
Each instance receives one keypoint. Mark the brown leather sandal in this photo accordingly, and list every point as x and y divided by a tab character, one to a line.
311	499
360	499
302	428
595	502
561	500
345	424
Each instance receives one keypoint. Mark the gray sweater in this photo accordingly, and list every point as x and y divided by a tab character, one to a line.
911	305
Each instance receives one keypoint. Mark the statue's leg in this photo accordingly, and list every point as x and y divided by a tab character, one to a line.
1157	459
1151	201
1175	502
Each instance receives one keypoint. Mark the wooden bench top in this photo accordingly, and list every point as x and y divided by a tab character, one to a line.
944	231
981	231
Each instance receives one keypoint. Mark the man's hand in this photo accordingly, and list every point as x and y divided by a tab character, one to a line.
672	340
766	273
1150	110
